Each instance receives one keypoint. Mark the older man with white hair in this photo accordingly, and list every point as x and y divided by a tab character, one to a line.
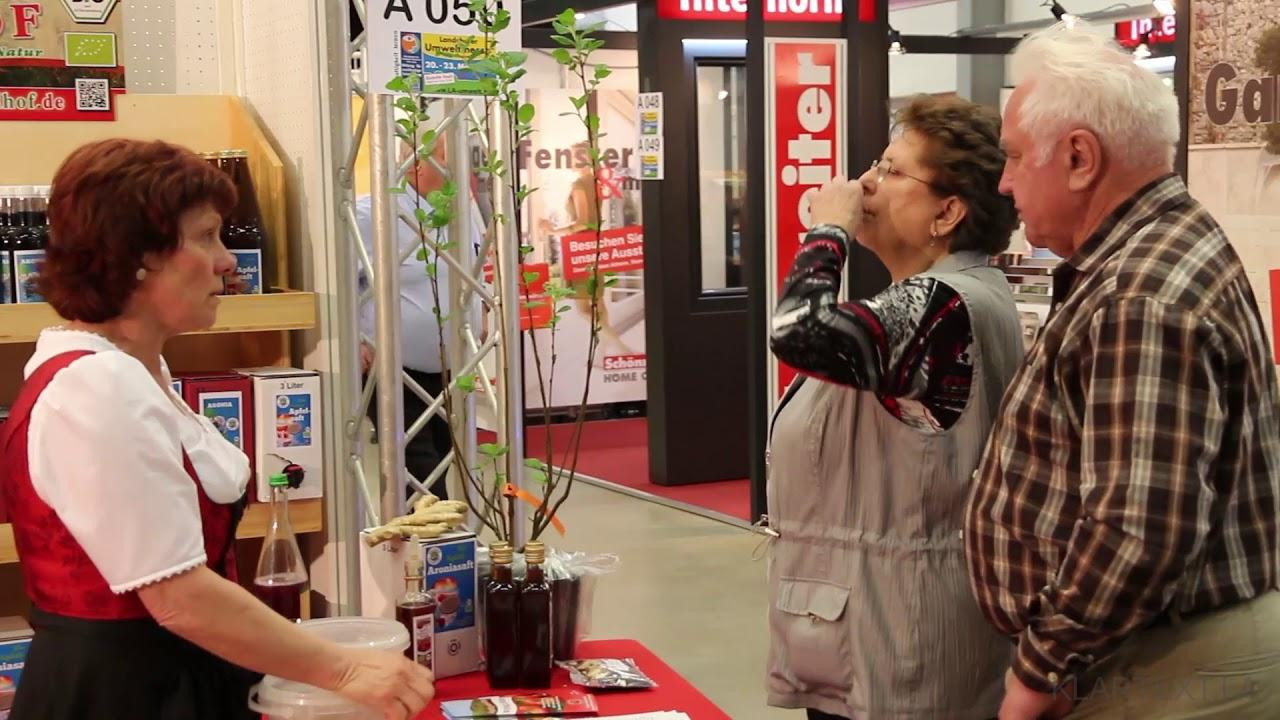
1123	524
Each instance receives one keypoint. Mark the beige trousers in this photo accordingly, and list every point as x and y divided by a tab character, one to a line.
1220	664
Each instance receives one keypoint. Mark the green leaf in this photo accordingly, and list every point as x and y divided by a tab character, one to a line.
466	383
531	305
561	56
525	250
535	463
531	276
578	101
484	66
537	476
491	450
398	84
525	113
564	308
518	74
422	215
610	282
593	283
602	72
408	105
515	59
431	270
421	255
568	18
593	123
593	44
502	20
438	200
563	40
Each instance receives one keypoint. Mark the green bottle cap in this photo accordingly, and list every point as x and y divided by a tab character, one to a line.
279	480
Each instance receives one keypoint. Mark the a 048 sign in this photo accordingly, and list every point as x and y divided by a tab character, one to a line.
90	11
433	40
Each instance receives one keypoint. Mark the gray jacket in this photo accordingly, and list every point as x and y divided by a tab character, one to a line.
871	613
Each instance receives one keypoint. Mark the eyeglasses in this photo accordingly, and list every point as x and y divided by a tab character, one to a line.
884	168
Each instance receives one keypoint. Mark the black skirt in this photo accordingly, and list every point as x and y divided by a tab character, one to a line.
84	669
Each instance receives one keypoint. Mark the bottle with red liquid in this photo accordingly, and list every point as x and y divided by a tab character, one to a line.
416	610
501	618
282	576
535	621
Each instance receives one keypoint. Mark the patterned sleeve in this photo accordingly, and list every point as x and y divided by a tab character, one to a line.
911	344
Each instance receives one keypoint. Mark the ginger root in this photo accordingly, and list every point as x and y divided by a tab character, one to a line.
431	517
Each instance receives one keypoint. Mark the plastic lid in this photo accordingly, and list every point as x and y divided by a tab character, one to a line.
361	632
279	480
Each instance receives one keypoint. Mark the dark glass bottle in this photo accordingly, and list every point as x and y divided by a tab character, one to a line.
535	621
8	231
242	231
27	239
501	618
416	610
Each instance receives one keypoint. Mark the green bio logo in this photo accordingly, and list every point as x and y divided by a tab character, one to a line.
90	49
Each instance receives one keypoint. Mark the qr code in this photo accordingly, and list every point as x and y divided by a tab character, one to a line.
93	94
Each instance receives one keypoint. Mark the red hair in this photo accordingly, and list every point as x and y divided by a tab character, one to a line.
114	202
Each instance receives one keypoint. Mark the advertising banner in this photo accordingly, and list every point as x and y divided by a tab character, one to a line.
60	59
431	39
554	224
1233	163
805	131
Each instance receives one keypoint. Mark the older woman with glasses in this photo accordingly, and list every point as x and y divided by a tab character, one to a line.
872	448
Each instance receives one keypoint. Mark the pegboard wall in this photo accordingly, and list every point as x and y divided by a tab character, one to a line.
178	47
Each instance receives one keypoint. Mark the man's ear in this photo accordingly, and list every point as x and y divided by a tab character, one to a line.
1084	159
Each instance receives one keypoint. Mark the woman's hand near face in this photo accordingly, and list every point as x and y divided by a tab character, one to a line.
839	203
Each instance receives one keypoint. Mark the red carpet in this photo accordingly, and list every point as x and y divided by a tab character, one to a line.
618	451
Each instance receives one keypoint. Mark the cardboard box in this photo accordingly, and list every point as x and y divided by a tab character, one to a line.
15	641
227	400
288	428
450	572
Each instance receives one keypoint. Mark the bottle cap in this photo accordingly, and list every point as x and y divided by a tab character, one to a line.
279	480
535	553
501	553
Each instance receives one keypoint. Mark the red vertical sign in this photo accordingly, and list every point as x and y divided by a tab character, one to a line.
805	126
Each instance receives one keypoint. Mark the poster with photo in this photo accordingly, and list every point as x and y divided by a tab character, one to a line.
61	60
1233	162
555	161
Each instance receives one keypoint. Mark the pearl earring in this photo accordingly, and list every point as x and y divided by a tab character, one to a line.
141	274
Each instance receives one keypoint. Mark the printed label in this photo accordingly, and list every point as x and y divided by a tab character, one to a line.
424	640
293	420
5	279
13	657
26	274
226	411
451	576
247	279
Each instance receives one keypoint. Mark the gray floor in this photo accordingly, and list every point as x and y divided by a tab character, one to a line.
688	589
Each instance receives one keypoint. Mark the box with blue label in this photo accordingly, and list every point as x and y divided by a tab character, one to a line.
449	571
15	641
6	278
226	399
247	279
288	428
26	275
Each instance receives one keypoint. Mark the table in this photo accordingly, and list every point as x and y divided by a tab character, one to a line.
673	691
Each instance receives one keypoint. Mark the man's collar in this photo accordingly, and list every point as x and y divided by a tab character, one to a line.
1153	199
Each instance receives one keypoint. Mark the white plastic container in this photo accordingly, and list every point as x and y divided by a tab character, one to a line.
280	699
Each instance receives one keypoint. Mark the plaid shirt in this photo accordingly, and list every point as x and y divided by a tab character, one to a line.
1134	464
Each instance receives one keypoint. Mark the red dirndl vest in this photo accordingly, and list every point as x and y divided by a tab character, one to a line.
58	574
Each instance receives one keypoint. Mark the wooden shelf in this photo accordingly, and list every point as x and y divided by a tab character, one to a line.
236	313
306	516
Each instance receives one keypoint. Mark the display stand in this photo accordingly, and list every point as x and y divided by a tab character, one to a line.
250	330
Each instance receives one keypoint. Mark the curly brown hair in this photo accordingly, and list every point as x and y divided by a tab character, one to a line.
113	203
964	153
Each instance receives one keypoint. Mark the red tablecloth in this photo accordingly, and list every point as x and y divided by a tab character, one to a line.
673	691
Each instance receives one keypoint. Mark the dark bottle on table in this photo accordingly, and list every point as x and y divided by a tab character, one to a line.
243	231
535	621
501	621
416	610
282	575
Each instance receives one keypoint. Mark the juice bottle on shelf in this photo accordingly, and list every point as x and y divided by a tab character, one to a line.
416	610
282	576
501	618
243	232
8	239
535	621
31	236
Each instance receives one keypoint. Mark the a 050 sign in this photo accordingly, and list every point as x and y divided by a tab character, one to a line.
431	37
94	12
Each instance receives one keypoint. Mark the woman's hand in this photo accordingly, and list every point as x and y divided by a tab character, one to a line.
838	202
396	686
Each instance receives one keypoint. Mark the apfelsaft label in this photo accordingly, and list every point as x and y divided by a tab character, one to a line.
247	279
293	420
26	273
226	411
